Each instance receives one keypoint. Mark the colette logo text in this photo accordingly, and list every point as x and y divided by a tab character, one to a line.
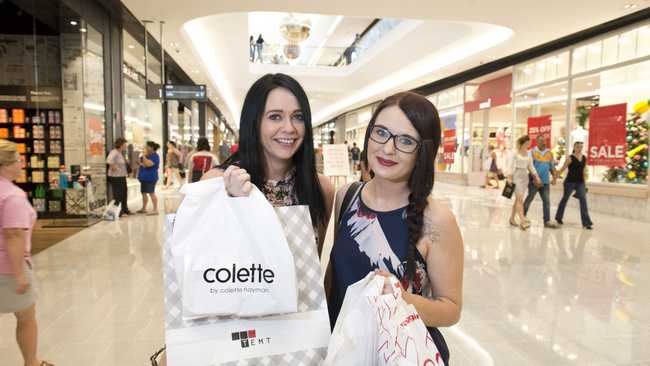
409	319
253	274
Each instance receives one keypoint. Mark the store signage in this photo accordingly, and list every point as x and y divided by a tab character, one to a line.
130	72
336	162
491	93
184	92
17	96
448	146
607	133
540	126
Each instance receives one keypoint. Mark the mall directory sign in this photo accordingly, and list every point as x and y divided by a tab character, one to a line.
184	92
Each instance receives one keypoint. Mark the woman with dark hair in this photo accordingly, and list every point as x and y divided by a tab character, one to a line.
521	167
117	172
201	161
392	225
575	181
276	150
148	177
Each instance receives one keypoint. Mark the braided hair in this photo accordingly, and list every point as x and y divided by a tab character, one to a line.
423	115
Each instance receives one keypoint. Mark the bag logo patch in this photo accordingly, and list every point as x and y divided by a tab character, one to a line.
248	338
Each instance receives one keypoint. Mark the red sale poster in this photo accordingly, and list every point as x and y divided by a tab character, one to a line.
607	132
448	146
539	126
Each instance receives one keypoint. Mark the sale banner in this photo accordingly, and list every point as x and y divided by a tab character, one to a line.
607	144
540	126
448	146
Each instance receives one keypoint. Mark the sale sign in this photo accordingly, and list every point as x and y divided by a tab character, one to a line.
607	134
540	126
448	146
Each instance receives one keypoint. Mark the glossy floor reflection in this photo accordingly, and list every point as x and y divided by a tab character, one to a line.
542	297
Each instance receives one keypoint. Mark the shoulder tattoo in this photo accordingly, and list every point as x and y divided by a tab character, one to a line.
430	231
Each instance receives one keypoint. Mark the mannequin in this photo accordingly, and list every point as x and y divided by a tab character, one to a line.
579	134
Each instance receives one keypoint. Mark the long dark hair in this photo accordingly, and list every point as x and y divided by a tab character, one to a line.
424	117
250	155
202	144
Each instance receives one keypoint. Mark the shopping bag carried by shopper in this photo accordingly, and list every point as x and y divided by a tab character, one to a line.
232	255
508	190
402	339
354	339
296	339
112	211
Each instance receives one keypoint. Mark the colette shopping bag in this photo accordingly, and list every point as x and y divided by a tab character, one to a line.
233	257
297	339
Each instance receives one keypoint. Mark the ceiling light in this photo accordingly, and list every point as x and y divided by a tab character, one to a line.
541	94
549	280
563	103
563	89
73	22
541	65
82	30
131	46
527	71
630	6
590	83
556	347
567	309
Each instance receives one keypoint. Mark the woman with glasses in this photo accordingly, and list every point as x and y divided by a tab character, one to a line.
393	226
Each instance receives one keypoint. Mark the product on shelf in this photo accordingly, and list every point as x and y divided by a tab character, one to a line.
39	204
55	147
53	162
55	206
23	161
4	133
37	162
4	115
22	148
38	132
55	132
19	132
36	120
38	176
18	115
39	146
50	117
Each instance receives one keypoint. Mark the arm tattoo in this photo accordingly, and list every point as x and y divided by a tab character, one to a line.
430	232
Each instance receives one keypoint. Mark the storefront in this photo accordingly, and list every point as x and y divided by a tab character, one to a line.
56	101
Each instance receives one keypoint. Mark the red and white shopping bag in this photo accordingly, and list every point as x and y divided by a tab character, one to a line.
382	323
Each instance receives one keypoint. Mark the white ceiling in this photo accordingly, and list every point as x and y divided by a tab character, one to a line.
212	37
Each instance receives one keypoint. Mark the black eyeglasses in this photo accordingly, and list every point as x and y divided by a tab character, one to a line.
404	143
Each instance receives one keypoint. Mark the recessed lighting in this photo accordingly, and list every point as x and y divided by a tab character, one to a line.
572	357
73	22
83	30
630	6
563	103
590	83
563	89
131	46
541	94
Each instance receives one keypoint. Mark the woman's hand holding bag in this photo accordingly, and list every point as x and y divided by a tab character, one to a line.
237	181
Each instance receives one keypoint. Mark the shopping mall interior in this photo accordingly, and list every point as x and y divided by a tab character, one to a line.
87	85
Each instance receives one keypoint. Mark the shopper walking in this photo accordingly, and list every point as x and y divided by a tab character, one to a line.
393	226
172	165
17	286
117	173
492	169
251	49
355	152
276	151
575	181
545	166
520	169
201	161
148	177
260	47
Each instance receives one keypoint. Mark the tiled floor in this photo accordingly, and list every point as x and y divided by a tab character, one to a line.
543	297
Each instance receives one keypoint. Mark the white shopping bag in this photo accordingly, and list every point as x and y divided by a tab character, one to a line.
297	339
376	329
112	211
403	339
354	339
231	254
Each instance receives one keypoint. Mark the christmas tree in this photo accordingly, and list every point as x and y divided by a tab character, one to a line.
636	168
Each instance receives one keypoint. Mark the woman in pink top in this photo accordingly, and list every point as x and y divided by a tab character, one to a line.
17	218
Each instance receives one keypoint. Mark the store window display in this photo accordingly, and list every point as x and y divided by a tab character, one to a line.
543	110
629	85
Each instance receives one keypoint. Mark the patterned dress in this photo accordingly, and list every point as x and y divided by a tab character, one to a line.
367	240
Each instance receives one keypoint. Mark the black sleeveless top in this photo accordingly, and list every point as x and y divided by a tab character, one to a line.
576	170
367	240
